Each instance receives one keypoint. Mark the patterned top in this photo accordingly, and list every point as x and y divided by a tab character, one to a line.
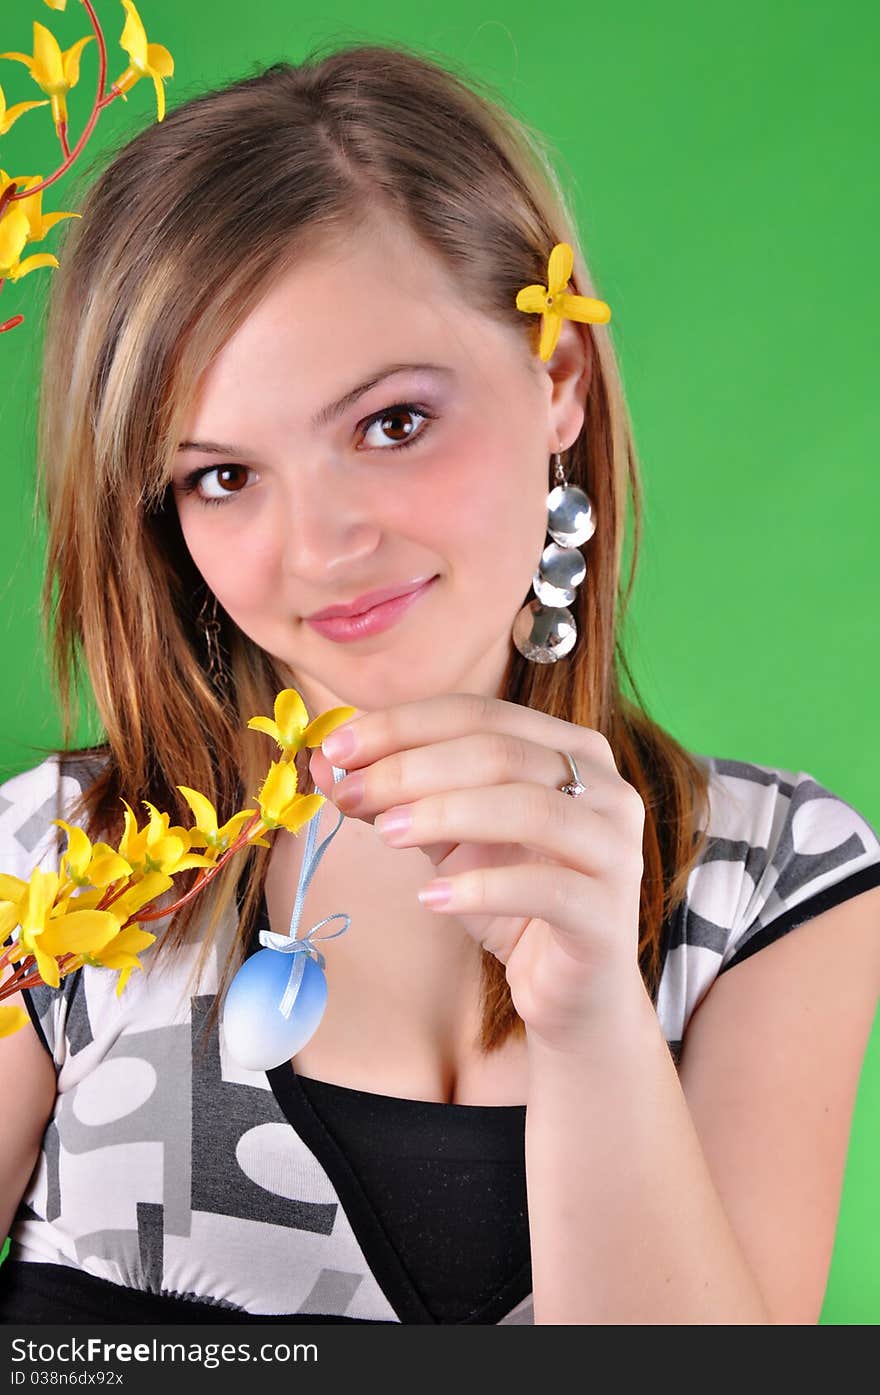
168	1169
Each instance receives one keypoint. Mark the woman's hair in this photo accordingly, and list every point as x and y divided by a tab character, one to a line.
180	236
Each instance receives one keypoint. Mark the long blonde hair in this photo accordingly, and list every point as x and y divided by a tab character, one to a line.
180	236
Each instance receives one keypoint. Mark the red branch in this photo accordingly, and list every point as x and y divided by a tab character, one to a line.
101	100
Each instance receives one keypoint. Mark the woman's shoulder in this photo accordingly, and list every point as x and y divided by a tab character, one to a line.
32	799
781	847
779	838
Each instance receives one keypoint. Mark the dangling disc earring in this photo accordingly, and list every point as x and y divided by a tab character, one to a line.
545	629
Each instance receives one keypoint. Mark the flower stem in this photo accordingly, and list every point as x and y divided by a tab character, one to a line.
240	842
14	982
110	895
4	198
27	976
101	100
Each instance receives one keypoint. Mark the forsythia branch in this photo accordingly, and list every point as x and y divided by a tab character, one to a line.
90	909
56	73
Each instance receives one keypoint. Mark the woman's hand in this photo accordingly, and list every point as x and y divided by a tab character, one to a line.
547	883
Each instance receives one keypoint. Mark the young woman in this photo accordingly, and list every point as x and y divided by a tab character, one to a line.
612	1081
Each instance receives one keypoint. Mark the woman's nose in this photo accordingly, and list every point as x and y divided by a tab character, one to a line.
324	529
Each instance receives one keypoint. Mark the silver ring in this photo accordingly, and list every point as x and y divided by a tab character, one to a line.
574	786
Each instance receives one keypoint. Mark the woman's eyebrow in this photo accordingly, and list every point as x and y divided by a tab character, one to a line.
329	413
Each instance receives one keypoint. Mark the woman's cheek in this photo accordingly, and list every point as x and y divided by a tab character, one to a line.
236	564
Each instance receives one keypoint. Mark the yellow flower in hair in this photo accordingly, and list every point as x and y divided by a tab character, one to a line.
555	304
9	115
54	71
145	60
292	728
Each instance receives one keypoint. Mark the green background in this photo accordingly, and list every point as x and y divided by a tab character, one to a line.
721	162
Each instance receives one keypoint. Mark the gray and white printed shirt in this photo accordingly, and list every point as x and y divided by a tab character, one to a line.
170	1170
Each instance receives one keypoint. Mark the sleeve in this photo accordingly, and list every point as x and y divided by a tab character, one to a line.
28	839
807	850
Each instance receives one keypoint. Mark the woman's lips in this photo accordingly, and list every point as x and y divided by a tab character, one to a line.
373	621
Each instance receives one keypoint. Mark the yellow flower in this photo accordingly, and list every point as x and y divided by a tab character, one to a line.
206	834
14	230
121	953
39	222
54	71
12	892
156	847
292	728
88	864
47	935
552	302
49	929
23	221
145	60
279	802
12	1019
139	894
69	899
56	4
9	115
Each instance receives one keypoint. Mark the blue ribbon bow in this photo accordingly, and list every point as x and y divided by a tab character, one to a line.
290	944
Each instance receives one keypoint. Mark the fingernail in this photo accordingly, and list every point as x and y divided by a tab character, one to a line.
348	793
392	823
338	745
435	894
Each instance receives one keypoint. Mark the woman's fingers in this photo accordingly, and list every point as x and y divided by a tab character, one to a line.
531	816
479	758
431	721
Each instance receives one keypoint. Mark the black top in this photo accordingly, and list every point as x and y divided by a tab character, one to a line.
448	1183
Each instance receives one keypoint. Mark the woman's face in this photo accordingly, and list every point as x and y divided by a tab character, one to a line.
440	471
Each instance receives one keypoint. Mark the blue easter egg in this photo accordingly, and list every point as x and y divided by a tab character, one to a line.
258	1033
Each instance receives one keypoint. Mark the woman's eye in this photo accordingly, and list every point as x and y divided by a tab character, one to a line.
196	483
218	484
393	425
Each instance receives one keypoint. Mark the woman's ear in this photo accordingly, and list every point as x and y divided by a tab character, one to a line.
570	370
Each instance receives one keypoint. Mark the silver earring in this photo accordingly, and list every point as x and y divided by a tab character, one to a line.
545	629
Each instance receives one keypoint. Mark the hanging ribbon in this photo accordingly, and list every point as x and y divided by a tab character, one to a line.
304	944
